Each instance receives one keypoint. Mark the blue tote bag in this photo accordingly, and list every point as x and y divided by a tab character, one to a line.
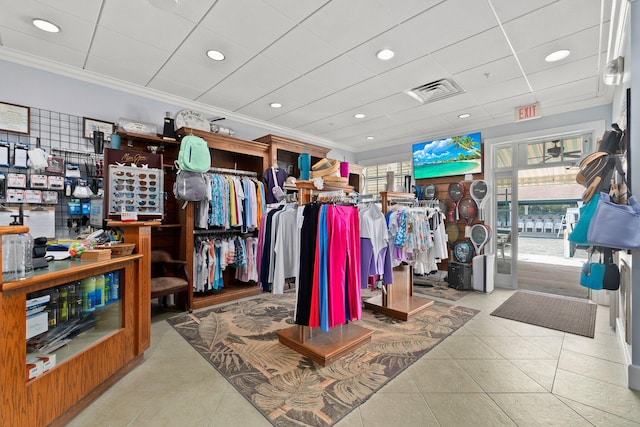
580	232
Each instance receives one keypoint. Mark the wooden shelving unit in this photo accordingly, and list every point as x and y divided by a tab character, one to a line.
397	300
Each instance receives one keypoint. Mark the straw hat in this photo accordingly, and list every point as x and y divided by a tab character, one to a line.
332	168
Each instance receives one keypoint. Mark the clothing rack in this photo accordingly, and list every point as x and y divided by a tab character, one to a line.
78	152
230	231
234	172
322	347
397	300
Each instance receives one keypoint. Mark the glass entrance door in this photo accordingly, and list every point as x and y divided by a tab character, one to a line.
505	230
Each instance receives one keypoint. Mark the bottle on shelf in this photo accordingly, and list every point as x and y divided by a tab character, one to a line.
88	294
99	300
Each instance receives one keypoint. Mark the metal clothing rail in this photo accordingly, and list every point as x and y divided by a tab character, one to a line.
234	172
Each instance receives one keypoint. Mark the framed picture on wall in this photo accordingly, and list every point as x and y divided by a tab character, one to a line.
90	125
14	118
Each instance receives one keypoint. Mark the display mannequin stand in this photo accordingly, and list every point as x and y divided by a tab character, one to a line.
397	300
322	347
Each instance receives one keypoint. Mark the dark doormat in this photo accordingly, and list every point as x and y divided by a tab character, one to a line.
240	341
553	312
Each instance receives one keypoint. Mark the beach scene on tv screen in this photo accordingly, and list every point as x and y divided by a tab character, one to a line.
457	155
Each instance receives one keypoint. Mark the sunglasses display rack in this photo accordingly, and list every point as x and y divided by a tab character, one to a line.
136	189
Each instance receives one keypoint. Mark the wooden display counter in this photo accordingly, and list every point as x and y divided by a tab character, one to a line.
88	368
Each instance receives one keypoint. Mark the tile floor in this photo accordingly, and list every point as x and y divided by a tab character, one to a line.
491	372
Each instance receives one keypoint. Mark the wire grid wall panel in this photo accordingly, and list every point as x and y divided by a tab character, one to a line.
60	135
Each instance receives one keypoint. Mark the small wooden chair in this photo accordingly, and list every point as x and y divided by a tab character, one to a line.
168	276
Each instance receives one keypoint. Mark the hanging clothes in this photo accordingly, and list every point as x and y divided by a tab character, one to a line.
336	286
374	245
280	175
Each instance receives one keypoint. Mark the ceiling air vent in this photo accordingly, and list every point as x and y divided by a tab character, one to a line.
435	90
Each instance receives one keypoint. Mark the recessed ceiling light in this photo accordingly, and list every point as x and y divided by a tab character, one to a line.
275	105
46	26
557	55
215	55
370	137
385	54
359	116
464	116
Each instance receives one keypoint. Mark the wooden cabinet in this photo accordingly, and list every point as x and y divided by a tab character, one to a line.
60	393
287	151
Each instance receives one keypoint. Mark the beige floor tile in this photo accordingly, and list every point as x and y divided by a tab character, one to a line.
461	409
542	371
445	376
403	383
597	417
468	347
538	409
487	327
550	345
397	409
234	410
527	330
609	351
179	408
616	400
515	348
500	376
101	413
436	353
589	366
352	419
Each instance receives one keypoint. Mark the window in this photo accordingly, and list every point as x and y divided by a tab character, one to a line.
376	176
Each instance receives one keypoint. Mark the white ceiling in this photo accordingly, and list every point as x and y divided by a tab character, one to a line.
317	58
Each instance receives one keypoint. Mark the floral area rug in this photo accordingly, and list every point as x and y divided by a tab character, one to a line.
436	286
289	389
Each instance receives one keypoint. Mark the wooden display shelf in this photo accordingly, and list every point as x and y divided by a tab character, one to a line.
398	301
322	347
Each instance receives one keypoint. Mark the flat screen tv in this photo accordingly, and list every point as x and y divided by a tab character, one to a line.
451	156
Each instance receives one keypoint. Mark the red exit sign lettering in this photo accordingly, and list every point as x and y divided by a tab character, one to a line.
528	112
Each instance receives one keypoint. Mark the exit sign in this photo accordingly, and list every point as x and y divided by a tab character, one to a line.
528	112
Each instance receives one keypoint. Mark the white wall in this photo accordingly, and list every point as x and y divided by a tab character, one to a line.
403	152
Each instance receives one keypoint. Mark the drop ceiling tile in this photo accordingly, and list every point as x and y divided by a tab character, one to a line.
581	44
565	73
444	25
420	112
340	73
41	48
134	61
499	71
198	76
551	22
351	22
124	16
367	128
301	50
220	101
389	105
193	11
180	88
507	106
579	88
477	50
295	9
502	90
406	9
75	29
254	80
509	9
253	26
195	47
289	95
478	114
